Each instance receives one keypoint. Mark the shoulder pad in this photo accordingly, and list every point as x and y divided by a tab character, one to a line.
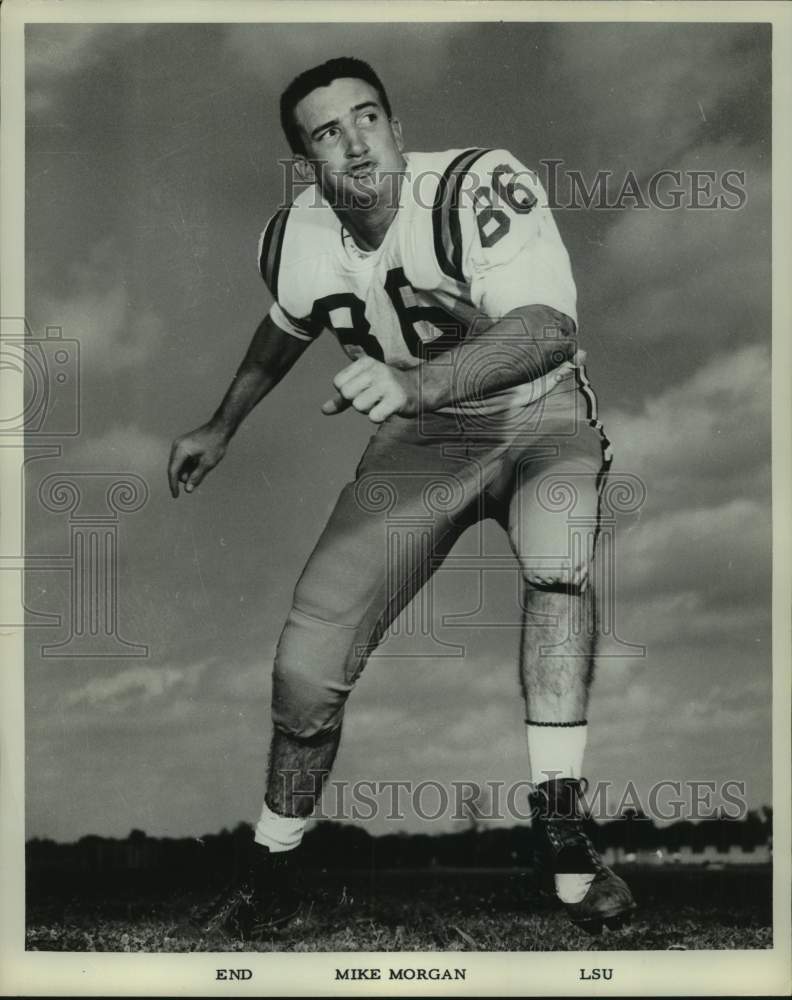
445	213
271	249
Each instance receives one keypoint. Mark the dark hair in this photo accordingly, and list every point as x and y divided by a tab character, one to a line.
323	76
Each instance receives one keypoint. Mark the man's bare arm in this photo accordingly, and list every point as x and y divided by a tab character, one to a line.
271	354
527	343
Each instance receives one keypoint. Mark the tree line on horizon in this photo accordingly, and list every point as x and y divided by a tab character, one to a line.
187	860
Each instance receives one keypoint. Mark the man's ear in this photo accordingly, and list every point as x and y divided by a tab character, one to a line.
396	128
304	169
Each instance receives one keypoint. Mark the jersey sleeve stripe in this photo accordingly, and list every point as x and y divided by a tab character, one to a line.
271	249
446	226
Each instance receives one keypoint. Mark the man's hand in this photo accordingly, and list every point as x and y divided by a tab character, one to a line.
193	455
374	388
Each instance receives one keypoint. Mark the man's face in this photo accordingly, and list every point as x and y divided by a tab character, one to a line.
355	151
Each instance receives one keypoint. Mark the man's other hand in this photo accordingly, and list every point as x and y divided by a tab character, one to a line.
374	388
193	455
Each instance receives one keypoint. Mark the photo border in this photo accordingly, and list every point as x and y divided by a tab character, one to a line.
694	973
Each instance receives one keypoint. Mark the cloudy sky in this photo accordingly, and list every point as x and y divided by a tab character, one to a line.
152	166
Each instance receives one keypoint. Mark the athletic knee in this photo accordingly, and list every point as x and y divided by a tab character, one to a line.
557	579
307	728
311	678
306	703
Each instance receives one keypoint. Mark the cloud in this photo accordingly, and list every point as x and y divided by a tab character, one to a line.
646	709
703	439
61	50
245	682
722	552
96	311
698	554
55	53
188	691
275	54
121	448
684	618
723	710
647	91
669	290
690	720
137	684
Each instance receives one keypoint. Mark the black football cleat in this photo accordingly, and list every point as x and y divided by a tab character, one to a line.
564	847
264	898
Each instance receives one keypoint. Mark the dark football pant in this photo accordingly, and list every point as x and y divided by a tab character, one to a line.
420	483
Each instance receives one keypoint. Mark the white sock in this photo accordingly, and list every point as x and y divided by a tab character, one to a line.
278	833
557	752
572	888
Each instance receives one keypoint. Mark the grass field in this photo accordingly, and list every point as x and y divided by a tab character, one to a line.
434	910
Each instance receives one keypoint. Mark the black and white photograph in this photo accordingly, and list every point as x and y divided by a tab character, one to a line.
395	553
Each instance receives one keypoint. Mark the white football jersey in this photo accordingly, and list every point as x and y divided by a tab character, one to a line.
473	239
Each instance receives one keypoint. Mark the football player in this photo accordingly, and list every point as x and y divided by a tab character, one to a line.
445	280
